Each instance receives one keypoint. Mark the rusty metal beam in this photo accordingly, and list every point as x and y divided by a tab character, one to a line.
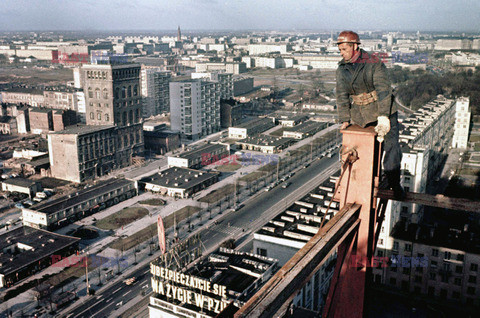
288	280
439	200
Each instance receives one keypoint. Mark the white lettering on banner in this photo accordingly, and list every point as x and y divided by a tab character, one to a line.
188	296
189	281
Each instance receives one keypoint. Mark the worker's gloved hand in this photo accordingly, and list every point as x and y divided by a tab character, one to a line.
382	128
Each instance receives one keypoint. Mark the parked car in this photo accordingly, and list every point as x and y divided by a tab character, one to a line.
286	184
28	203
238	207
37	199
41	195
19	205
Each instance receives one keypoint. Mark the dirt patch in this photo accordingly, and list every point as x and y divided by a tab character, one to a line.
151	230
121	218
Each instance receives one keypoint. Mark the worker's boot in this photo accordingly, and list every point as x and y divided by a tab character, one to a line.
393	179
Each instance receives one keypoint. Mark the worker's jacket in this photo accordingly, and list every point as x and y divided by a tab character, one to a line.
366	74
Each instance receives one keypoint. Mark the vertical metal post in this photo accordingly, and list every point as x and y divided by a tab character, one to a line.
348	296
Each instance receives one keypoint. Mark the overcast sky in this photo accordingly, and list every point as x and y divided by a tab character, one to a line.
391	15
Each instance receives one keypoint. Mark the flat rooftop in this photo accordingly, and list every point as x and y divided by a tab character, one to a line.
257	122
73	199
21	182
30	245
83	129
197	153
179	178
307	127
266	140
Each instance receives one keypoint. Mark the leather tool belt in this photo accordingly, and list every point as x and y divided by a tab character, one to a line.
364	98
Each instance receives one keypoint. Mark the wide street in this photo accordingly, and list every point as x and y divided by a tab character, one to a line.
239	225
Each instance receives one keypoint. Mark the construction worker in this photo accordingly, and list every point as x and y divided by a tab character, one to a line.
364	97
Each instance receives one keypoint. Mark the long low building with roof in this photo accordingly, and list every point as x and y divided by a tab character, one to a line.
223	277
264	143
26	250
202	156
67	209
304	130
178	182
251	128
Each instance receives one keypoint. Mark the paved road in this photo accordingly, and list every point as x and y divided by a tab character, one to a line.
239	225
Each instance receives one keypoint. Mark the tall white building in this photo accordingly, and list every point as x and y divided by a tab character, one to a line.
462	123
155	91
194	108
425	142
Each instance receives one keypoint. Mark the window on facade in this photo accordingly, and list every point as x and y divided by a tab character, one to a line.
124	92
395	246
105	93
99	116
408	247
90	92
97	93
458	269
473	267
472	279
433	276
380	241
92	115
457	281
448	255
107	117
135	90
129	91
434	252
460	257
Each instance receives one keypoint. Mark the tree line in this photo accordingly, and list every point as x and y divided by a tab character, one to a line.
416	88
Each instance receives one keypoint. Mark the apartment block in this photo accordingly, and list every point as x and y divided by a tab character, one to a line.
194	108
462	123
155	91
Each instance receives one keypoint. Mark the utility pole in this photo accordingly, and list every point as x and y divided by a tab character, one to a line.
311	150
86	273
235	192
278	166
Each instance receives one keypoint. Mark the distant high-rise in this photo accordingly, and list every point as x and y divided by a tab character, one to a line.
179	35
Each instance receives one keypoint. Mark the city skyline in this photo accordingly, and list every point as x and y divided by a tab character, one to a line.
89	15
